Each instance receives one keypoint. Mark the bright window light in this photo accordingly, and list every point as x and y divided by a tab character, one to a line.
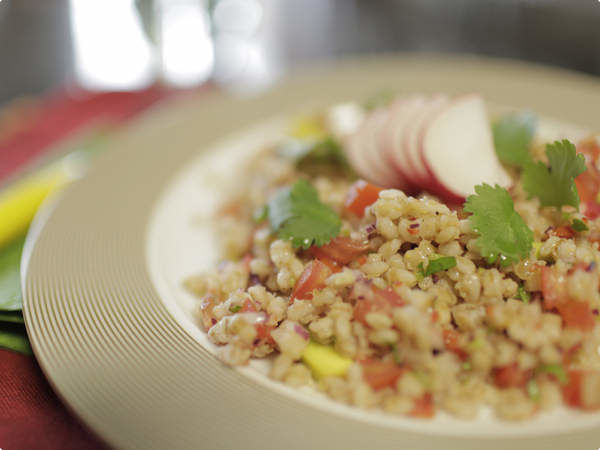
111	50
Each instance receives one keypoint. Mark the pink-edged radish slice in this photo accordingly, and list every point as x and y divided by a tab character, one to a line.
392	137
360	147
412	140
458	151
353	148
383	174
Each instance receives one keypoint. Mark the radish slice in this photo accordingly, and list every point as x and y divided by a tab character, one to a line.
382	174
458	152
413	136
353	147
401	112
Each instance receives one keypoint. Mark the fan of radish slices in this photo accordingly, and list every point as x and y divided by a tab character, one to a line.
427	143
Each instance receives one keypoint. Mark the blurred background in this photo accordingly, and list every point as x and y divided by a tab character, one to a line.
246	45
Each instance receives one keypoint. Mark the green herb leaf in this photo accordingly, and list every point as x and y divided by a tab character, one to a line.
503	234
437	265
512	138
297	214
424	378
555	369
10	279
260	214
523	294
13	337
579	225
234	308
533	390
396	354
554	185
420	272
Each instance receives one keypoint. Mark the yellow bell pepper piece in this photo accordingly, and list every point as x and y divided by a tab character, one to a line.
308	128
19	202
324	361
536	246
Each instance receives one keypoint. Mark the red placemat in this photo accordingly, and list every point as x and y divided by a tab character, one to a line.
29	127
31	415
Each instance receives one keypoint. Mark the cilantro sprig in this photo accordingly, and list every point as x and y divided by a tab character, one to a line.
579	225
296	213
513	134
554	369
437	265
554	184
503	234
523	294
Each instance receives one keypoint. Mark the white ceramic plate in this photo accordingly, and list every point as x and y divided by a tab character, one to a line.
114	330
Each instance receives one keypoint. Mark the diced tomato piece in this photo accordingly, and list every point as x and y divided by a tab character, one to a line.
342	249
361	309
246	260
572	390
263	333
591	208
581	390
361	195
423	407
381	374
511	376
452	344
554	288
569	354
312	278
588	183
577	314
376	300
435	316
333	265
564	231
248	306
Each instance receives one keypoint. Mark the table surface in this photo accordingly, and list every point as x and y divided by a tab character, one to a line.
31	415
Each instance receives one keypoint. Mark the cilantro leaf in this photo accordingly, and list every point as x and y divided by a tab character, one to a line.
260	214
579	225
297	214
437	265
503	234
512	138
533	390
235	308
554	184
523	294
554	369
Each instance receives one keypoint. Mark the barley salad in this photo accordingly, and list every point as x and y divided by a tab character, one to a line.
412	255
